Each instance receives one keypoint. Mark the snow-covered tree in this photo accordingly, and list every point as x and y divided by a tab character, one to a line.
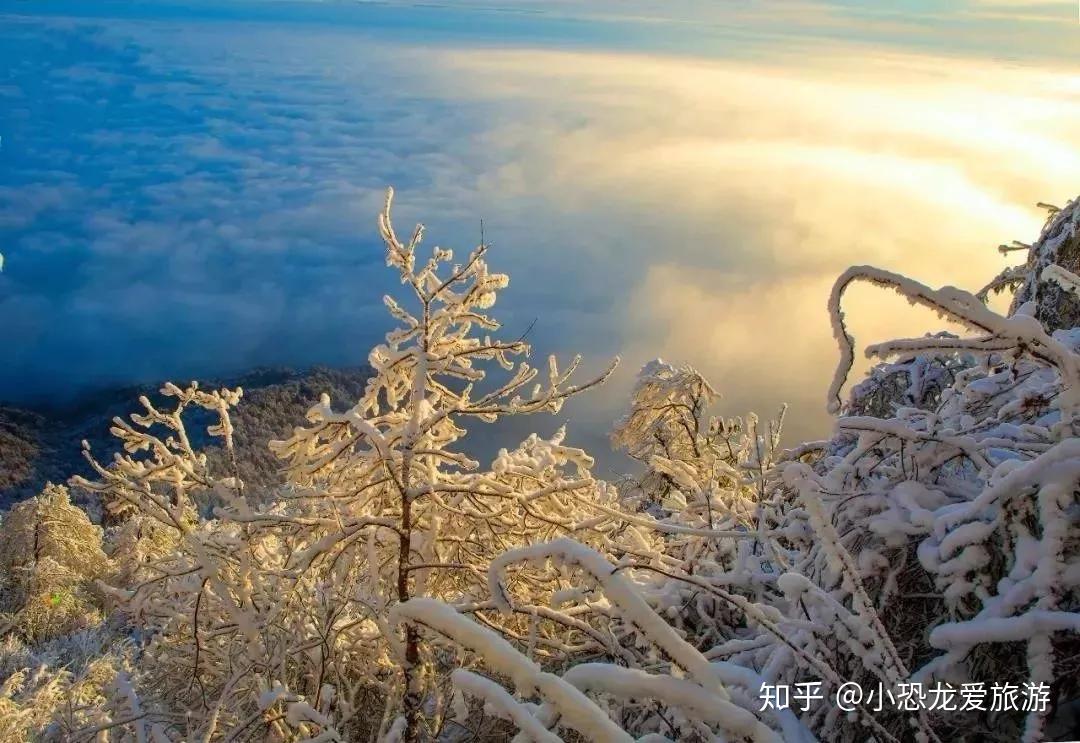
672	690
384	488
1048	277
57	657
193	587
955	515
391	588
705	478
50	554
287	606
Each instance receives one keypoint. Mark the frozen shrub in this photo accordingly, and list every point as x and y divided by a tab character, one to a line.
50	554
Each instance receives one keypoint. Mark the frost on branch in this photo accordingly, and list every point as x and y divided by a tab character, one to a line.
1056	252
392	588
954	512
50	554
388	505
696	707
161	474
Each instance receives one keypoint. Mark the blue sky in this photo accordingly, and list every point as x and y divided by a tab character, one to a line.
189	189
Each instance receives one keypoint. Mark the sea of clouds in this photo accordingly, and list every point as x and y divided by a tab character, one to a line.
189	193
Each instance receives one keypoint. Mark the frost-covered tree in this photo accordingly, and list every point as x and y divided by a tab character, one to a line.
189	585
57	657
705	478
392	588
1048	277
285	607
673	690
50	554
384	489
955	516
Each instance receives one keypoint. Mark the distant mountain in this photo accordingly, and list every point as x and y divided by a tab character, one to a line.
44	445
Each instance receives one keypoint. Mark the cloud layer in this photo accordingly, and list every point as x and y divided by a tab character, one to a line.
191	197
739	190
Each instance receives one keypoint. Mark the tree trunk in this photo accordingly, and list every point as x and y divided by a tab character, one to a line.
411	699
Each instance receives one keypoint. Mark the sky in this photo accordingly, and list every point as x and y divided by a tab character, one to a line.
189	189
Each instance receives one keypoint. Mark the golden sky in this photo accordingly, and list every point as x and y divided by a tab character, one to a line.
764	179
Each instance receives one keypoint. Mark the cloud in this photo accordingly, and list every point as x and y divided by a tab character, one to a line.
740	190
168	215
190	198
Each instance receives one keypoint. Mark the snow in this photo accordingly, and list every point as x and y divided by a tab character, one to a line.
390	564
579	712
675	692
502	704
1004	629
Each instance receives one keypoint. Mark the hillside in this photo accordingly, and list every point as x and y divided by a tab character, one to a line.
44	445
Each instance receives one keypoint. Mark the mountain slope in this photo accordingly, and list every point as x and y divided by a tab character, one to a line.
44	445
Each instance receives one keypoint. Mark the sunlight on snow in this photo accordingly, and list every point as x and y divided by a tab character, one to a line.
764	181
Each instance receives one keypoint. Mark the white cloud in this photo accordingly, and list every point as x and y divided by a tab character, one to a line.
745	188
678	206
